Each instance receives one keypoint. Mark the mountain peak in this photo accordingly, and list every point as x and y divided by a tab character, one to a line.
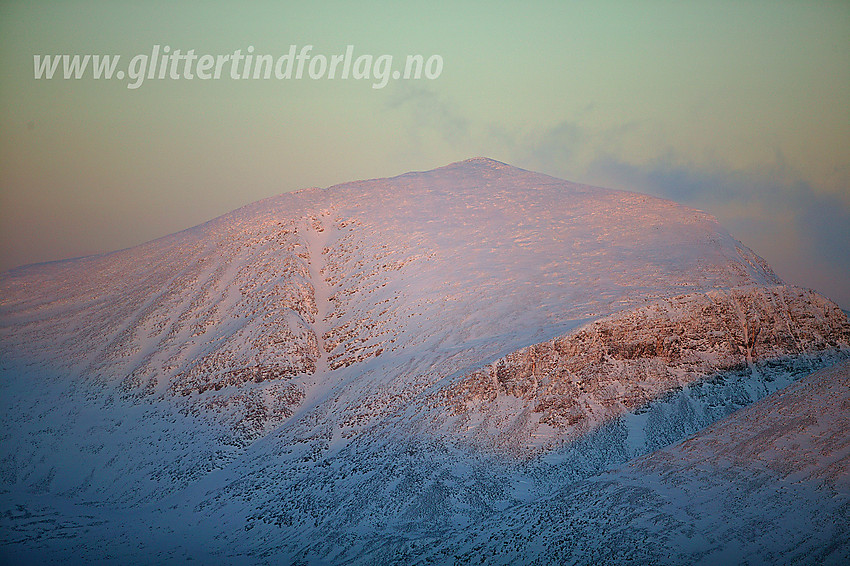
481	160
474	166
482	165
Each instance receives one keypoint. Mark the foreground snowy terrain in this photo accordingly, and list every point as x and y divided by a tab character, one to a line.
767	485
432	367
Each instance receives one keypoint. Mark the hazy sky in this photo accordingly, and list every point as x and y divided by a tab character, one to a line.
738	108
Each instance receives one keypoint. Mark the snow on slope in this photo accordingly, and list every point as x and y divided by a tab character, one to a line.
293	369
477	255
767	485
436	248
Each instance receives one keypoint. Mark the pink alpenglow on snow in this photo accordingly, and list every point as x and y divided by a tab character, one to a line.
367	372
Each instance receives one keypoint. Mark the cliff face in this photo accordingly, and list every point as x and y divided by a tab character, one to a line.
624	362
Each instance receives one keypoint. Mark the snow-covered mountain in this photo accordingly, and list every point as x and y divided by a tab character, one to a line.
341	374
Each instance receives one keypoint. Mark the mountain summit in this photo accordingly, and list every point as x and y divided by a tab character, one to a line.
408	354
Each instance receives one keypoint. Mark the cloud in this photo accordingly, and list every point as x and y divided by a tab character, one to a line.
560	143
801	228
565	148
427	111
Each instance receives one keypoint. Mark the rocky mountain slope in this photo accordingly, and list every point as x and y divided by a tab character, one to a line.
331	372
620	364
767	485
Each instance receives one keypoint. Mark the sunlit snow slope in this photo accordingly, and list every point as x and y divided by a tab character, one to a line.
379	360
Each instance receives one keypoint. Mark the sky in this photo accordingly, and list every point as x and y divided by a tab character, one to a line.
736	108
